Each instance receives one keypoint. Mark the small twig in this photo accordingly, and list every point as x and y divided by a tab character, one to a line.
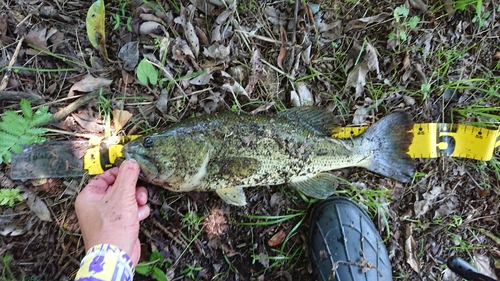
263	38
169	234
13	60
73	106
278	70
86	136
295	16
15	95
64	59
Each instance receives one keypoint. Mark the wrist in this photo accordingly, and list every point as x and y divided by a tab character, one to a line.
106	262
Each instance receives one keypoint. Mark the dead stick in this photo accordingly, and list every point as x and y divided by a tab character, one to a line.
8	72
73	107
16	95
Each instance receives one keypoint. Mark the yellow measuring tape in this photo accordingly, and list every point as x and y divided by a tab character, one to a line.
430	140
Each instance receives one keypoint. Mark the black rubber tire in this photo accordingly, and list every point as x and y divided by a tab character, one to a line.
343	237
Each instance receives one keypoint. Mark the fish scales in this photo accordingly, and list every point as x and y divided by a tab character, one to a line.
227	152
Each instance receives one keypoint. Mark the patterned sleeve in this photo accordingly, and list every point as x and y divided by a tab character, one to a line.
105	262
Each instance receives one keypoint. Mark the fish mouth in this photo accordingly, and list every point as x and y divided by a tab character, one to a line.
148	169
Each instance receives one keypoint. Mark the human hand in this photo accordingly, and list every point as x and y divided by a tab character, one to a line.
110	208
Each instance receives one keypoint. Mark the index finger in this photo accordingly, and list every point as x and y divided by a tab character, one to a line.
99	184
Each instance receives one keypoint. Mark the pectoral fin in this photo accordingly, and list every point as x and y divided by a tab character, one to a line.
233	195
320	186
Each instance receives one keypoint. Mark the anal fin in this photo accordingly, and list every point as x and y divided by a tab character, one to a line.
319	186
233	195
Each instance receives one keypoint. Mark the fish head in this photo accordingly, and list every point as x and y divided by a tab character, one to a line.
153	156
175	161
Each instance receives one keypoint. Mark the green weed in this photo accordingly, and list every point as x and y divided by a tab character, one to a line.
121	18
9	196
190	271
6	271
403	23
105	110
153	267
191	221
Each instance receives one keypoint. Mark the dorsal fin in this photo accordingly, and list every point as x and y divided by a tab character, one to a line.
317	119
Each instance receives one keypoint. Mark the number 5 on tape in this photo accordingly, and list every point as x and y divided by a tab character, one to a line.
431	140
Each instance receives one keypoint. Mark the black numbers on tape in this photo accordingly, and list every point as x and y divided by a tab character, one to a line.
420	131
479	135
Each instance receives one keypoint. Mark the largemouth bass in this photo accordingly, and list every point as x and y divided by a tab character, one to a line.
226	152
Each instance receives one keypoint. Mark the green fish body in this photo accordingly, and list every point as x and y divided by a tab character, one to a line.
226	152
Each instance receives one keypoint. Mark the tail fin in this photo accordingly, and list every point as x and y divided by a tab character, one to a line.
389	140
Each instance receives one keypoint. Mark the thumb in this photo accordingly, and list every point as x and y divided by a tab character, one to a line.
126	180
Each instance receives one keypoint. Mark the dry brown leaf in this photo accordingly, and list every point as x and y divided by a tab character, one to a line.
411	250
357	78
202	79
202	36
129	54
189	31
360	116
87	121
257	71
283	49
217	51
421	207
301	97
120	118
151	27
38	207
364	22
331	30
181	50
406	61
484	265
221	19
37	37
3	29
162	102
419	4
88	84
372	59
277	238
274	16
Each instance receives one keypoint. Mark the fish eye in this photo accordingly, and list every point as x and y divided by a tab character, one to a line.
148	142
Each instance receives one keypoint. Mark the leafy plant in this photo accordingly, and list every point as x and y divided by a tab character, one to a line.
105	109
8	196
191	221
480	17
403	24
190	270
153	267
147	72
18	130
122	19
6	271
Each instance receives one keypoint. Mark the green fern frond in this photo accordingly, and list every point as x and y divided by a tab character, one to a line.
18	130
